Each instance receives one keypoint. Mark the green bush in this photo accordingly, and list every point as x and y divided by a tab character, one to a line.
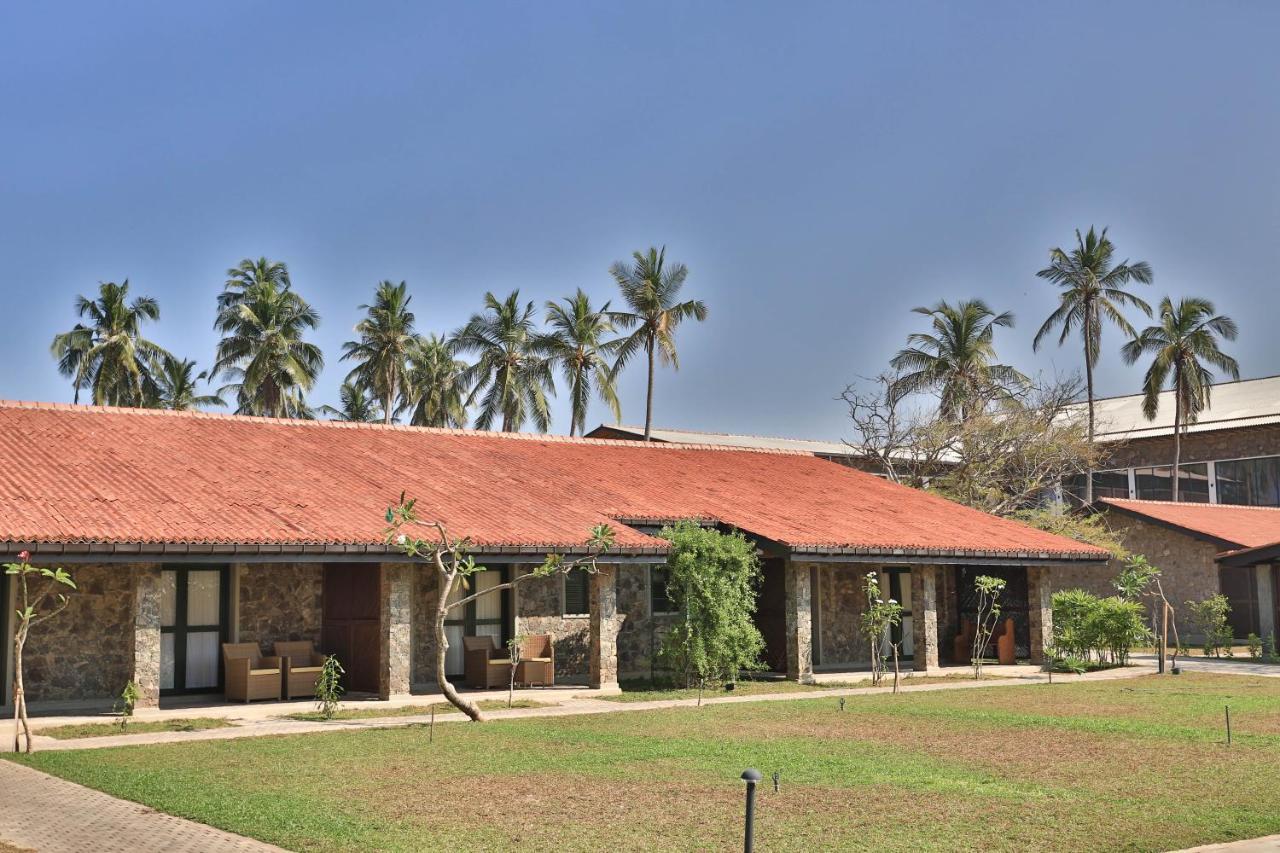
1210	617
1071	609
1090	628
1255	646
713	579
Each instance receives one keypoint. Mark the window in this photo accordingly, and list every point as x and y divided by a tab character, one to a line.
1106	484
577	593
1249	482
1155	484
659	601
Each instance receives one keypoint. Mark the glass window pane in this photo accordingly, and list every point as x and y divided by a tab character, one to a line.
1249	482
453	656
488	606
1154	484
166	661
203	598
576	586
168	598
202	659
1193	483
1110	484
659	600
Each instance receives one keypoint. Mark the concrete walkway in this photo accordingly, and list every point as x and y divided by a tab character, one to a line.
573	704
1220	666
1270	844
51	815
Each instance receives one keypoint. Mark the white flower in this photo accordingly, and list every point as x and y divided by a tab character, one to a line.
401	539
893	601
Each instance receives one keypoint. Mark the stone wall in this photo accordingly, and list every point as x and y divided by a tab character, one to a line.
841	602
86	652
642	633
539	609
1196	447
1188	569
423	631
280	601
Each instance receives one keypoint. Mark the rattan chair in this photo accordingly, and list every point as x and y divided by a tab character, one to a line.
250	675
484	665
537	661
302	666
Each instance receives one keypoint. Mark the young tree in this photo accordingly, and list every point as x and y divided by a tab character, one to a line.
436	395
108	356
34	607
875	623
712	580
651	290
988	616
178	390
387	338
356	405
1183	342
453	564
1092	290
577	342
958	359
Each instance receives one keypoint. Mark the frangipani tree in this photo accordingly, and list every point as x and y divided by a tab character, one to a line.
33	608
454	564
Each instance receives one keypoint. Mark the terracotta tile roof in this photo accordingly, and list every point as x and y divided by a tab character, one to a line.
79	474
1227	525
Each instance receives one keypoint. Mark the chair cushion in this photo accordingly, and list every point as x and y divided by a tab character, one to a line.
264	672
306	668
499	663
535	660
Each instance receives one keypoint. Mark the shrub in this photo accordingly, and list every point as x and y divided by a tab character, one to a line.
1210	616
1269	647
1097	629
1071	610
329	687
125	705
1255	646
713	578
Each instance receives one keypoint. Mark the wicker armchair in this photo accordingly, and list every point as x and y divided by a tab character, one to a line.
302	666
537	661
250	675
484	665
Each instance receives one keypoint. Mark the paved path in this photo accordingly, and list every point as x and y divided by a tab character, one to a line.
1270	844
52	815
1231	666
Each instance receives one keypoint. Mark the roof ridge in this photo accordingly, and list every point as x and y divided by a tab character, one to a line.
200	414
640	429
1097	400
1191	504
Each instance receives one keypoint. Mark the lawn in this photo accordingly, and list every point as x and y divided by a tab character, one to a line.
414	710
79	730
644	690
1137	764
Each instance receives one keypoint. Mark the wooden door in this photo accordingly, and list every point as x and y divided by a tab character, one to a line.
771	613
352	619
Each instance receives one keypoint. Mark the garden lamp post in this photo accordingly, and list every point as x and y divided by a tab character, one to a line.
751	776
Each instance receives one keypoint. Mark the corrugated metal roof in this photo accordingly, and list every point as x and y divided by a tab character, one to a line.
1232	405
751	442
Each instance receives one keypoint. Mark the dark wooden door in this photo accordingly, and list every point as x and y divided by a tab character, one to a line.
351	622
771	613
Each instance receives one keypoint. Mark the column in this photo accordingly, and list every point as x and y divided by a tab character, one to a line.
604	625
1040	609
799	612
395	637
146	635
924	617
1266	600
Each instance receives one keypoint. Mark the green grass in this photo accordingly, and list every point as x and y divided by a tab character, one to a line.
413	710
1126	764
79	730
644	690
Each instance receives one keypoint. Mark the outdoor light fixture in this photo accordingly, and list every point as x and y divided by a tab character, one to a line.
751	776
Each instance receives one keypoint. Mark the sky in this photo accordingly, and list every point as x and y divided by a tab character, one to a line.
821	168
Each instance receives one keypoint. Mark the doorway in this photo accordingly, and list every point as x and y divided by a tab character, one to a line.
487	616
351	621
1013	602
895	583
193	627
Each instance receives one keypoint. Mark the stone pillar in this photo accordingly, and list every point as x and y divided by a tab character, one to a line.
395	638
924	617
1040	610
146	635
799	610
1266	600
604	626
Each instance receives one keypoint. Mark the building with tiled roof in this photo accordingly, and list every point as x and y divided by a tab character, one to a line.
188	530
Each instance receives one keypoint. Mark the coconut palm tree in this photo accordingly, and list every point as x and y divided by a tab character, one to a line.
511	376
179	389
577	343
958	358
1183	343
436	389
386	338
650	288
356	405
108	355
1092	291
263	322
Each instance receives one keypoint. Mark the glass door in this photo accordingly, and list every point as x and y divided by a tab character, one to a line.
895	583
486	616
193	620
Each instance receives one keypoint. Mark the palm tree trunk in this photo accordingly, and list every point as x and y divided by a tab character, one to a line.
1088	380
391	396
648	399
1177	428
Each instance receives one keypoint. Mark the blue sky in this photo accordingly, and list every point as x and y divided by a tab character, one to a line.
821	168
